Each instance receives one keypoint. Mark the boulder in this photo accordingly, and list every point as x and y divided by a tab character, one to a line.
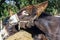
21	35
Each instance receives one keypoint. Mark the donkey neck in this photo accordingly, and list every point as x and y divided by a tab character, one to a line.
52	27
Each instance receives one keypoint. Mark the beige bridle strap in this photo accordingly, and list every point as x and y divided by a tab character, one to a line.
24	21
32	19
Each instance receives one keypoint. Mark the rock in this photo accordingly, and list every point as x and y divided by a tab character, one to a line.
21	35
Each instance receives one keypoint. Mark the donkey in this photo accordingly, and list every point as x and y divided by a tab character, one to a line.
3	34
7	29
50	25
27	15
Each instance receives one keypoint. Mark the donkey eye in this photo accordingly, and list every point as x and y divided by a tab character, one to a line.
25	13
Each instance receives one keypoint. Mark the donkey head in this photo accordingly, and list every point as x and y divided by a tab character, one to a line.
28	14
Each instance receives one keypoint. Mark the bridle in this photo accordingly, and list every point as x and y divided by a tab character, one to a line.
29	21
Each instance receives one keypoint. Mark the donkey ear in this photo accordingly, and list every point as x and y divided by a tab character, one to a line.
41	7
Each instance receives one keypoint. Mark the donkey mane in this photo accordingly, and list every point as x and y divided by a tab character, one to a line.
44	14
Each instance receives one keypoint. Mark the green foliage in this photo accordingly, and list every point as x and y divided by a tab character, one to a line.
53	7
5	12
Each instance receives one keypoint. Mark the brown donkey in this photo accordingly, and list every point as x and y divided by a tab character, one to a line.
50	25
28	16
